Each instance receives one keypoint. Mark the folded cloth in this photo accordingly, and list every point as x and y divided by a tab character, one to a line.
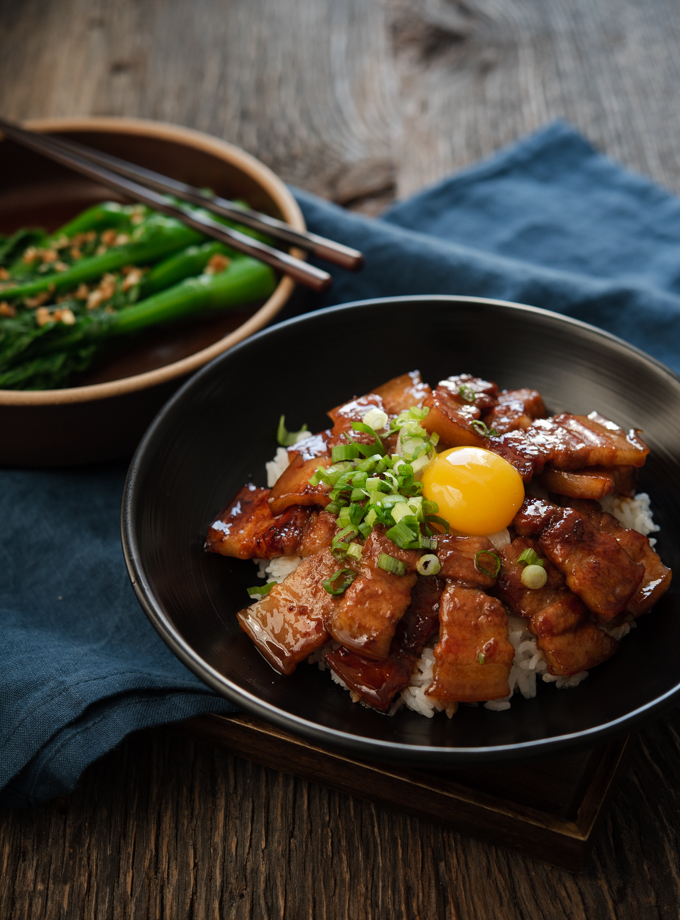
548	222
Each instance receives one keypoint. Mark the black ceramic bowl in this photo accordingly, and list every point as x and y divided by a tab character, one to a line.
218	431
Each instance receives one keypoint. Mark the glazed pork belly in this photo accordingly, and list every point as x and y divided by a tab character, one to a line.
402	392
247	529
455	405
457	556
289	623
366	618
657	577
377	683
596	567
474	656
569	442
559	619
515	409
591	483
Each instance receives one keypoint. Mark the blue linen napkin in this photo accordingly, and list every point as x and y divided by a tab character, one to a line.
549	222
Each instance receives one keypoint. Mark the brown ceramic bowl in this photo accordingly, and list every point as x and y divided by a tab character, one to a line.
106	413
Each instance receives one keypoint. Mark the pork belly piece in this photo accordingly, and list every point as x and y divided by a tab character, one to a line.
293	486
534	515
353	411
377	683
657	577
454	405
366	618
289	623
318	533
314	445
515	409
247	529
474	655
403	392
595	566
604	441
559	619
569	442
591	483
457	555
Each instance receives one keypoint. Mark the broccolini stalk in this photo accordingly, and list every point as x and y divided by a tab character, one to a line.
36	357
190	261
156	237
18	242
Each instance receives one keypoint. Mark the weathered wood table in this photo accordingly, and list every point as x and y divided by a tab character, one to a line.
361	101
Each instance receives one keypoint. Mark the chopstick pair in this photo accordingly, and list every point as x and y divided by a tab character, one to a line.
144	185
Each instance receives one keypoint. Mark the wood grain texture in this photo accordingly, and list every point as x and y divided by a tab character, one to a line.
357	100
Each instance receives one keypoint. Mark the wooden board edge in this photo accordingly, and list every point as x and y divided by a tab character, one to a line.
558	841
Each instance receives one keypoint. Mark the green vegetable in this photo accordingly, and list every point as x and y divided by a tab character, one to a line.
534	576
428	565
158	236
333	586
392	565
496	563
530	557
17	243
42	357
184	264
287	438
261	590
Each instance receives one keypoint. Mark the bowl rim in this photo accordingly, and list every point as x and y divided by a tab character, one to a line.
198	140
317	732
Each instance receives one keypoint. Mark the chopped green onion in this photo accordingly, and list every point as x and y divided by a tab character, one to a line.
376	418
428	542
261	590
534	576
530	557
484	571
355	551
481	658
480	428
402	535
434	519
368	450
347	575
428	565
391	565
344	452
287	438
466	393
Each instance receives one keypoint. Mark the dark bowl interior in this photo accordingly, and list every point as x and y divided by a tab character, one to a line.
218	431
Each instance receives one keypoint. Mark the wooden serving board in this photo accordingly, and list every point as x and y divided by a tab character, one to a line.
548	807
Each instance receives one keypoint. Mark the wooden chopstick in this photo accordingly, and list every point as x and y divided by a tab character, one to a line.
312	277
336	253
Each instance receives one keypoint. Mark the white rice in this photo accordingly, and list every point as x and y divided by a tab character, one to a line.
529	662
632	513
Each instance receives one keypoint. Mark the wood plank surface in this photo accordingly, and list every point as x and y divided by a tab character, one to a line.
360	101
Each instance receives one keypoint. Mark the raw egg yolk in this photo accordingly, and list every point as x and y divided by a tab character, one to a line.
477	491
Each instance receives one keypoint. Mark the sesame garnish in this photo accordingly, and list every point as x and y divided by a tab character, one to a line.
43	316
109	237
6	309
30	255
132	278
217	264
4	274
37	301
49	255
65	316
